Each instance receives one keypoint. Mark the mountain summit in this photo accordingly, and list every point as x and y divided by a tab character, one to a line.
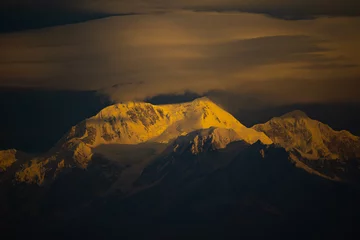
294	114
139	122
299	134
134	123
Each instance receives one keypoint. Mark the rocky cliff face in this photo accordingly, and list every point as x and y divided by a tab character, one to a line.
7	158
205	140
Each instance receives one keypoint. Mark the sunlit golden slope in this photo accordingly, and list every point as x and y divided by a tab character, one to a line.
137	122
134	123
7	158
298	133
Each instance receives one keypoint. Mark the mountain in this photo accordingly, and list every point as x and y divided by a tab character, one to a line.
205	140
138	167
132	123
258	193
182	129
137	122
298	133
316	147
195	154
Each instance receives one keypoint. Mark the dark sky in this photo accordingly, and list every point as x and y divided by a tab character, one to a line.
293	51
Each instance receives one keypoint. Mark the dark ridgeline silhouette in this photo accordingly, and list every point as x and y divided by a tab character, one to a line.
258	193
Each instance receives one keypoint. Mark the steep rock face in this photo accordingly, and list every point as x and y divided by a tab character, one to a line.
7	158
77	151
298	133
33	172
205	140
193	155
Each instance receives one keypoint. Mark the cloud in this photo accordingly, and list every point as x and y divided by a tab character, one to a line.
35	19
23	14
283	9
139	56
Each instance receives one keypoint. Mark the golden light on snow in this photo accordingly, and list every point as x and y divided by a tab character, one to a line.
135	122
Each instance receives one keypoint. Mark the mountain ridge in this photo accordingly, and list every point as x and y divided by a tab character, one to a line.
133	123
140	162
298	133
138	122
197	126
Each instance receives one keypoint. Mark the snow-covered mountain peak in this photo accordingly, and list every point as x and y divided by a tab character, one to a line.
139	122
298	133
202	99
295	114
136	122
